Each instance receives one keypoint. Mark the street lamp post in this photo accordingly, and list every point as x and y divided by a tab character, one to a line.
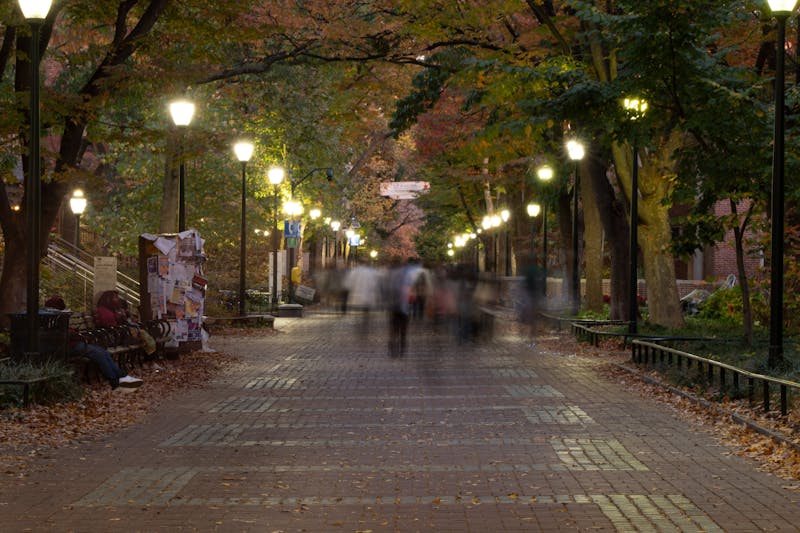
314	214
349	233
356	242
294	184
244	151
544	173
489	222
781	9
182	112
77	205
335	225
636	108
275	176
35	12
505	214
576	152
293	209
533	212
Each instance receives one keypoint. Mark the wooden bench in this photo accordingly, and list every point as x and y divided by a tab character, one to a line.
120	341
161	330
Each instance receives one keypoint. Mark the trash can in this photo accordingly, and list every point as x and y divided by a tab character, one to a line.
53	334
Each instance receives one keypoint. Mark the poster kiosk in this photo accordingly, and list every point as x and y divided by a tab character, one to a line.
173	285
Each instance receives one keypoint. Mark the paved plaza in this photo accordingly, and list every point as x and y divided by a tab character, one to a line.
320	430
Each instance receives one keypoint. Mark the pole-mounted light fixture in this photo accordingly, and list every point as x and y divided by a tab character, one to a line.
293	208
781	6
636	108
533	210
35	9
781	9
77	204
576	152
544	173
243	151
505	215
182	111
275	177
35	12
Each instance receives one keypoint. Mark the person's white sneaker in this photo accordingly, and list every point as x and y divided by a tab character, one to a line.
130	382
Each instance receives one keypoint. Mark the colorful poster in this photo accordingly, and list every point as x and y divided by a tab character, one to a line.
163	266
176	283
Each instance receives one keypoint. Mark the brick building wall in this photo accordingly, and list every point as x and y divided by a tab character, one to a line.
723	255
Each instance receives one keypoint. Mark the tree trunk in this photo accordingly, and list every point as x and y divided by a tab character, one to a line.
615	225
747	309
14	275
663	303
655	233
592	238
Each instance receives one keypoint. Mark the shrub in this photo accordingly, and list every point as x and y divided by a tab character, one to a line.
725	305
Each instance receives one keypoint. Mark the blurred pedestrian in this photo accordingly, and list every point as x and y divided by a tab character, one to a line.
534	290
421	289
363	285
444	298
398	295
466	281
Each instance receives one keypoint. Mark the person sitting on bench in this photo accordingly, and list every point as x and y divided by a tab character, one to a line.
117	378
113	311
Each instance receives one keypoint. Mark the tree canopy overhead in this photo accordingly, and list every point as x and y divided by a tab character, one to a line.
470	96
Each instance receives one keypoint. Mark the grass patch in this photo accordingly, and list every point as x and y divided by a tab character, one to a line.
59	384
723	341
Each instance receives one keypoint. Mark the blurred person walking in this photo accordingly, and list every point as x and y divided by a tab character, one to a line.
362	284
398	294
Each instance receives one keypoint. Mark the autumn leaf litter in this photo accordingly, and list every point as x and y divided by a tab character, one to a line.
28	433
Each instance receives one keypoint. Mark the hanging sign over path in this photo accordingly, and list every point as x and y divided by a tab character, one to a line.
404	190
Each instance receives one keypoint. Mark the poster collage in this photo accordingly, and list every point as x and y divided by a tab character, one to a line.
176	282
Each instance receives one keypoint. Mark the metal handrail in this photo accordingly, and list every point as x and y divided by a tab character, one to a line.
127	286
649	353
87	259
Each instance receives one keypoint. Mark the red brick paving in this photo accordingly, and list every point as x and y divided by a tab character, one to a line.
320	430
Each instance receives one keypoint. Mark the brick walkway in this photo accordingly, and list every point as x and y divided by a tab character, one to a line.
320	430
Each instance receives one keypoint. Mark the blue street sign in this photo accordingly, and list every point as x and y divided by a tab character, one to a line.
292	229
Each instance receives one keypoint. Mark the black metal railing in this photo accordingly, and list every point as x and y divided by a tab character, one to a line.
650	353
